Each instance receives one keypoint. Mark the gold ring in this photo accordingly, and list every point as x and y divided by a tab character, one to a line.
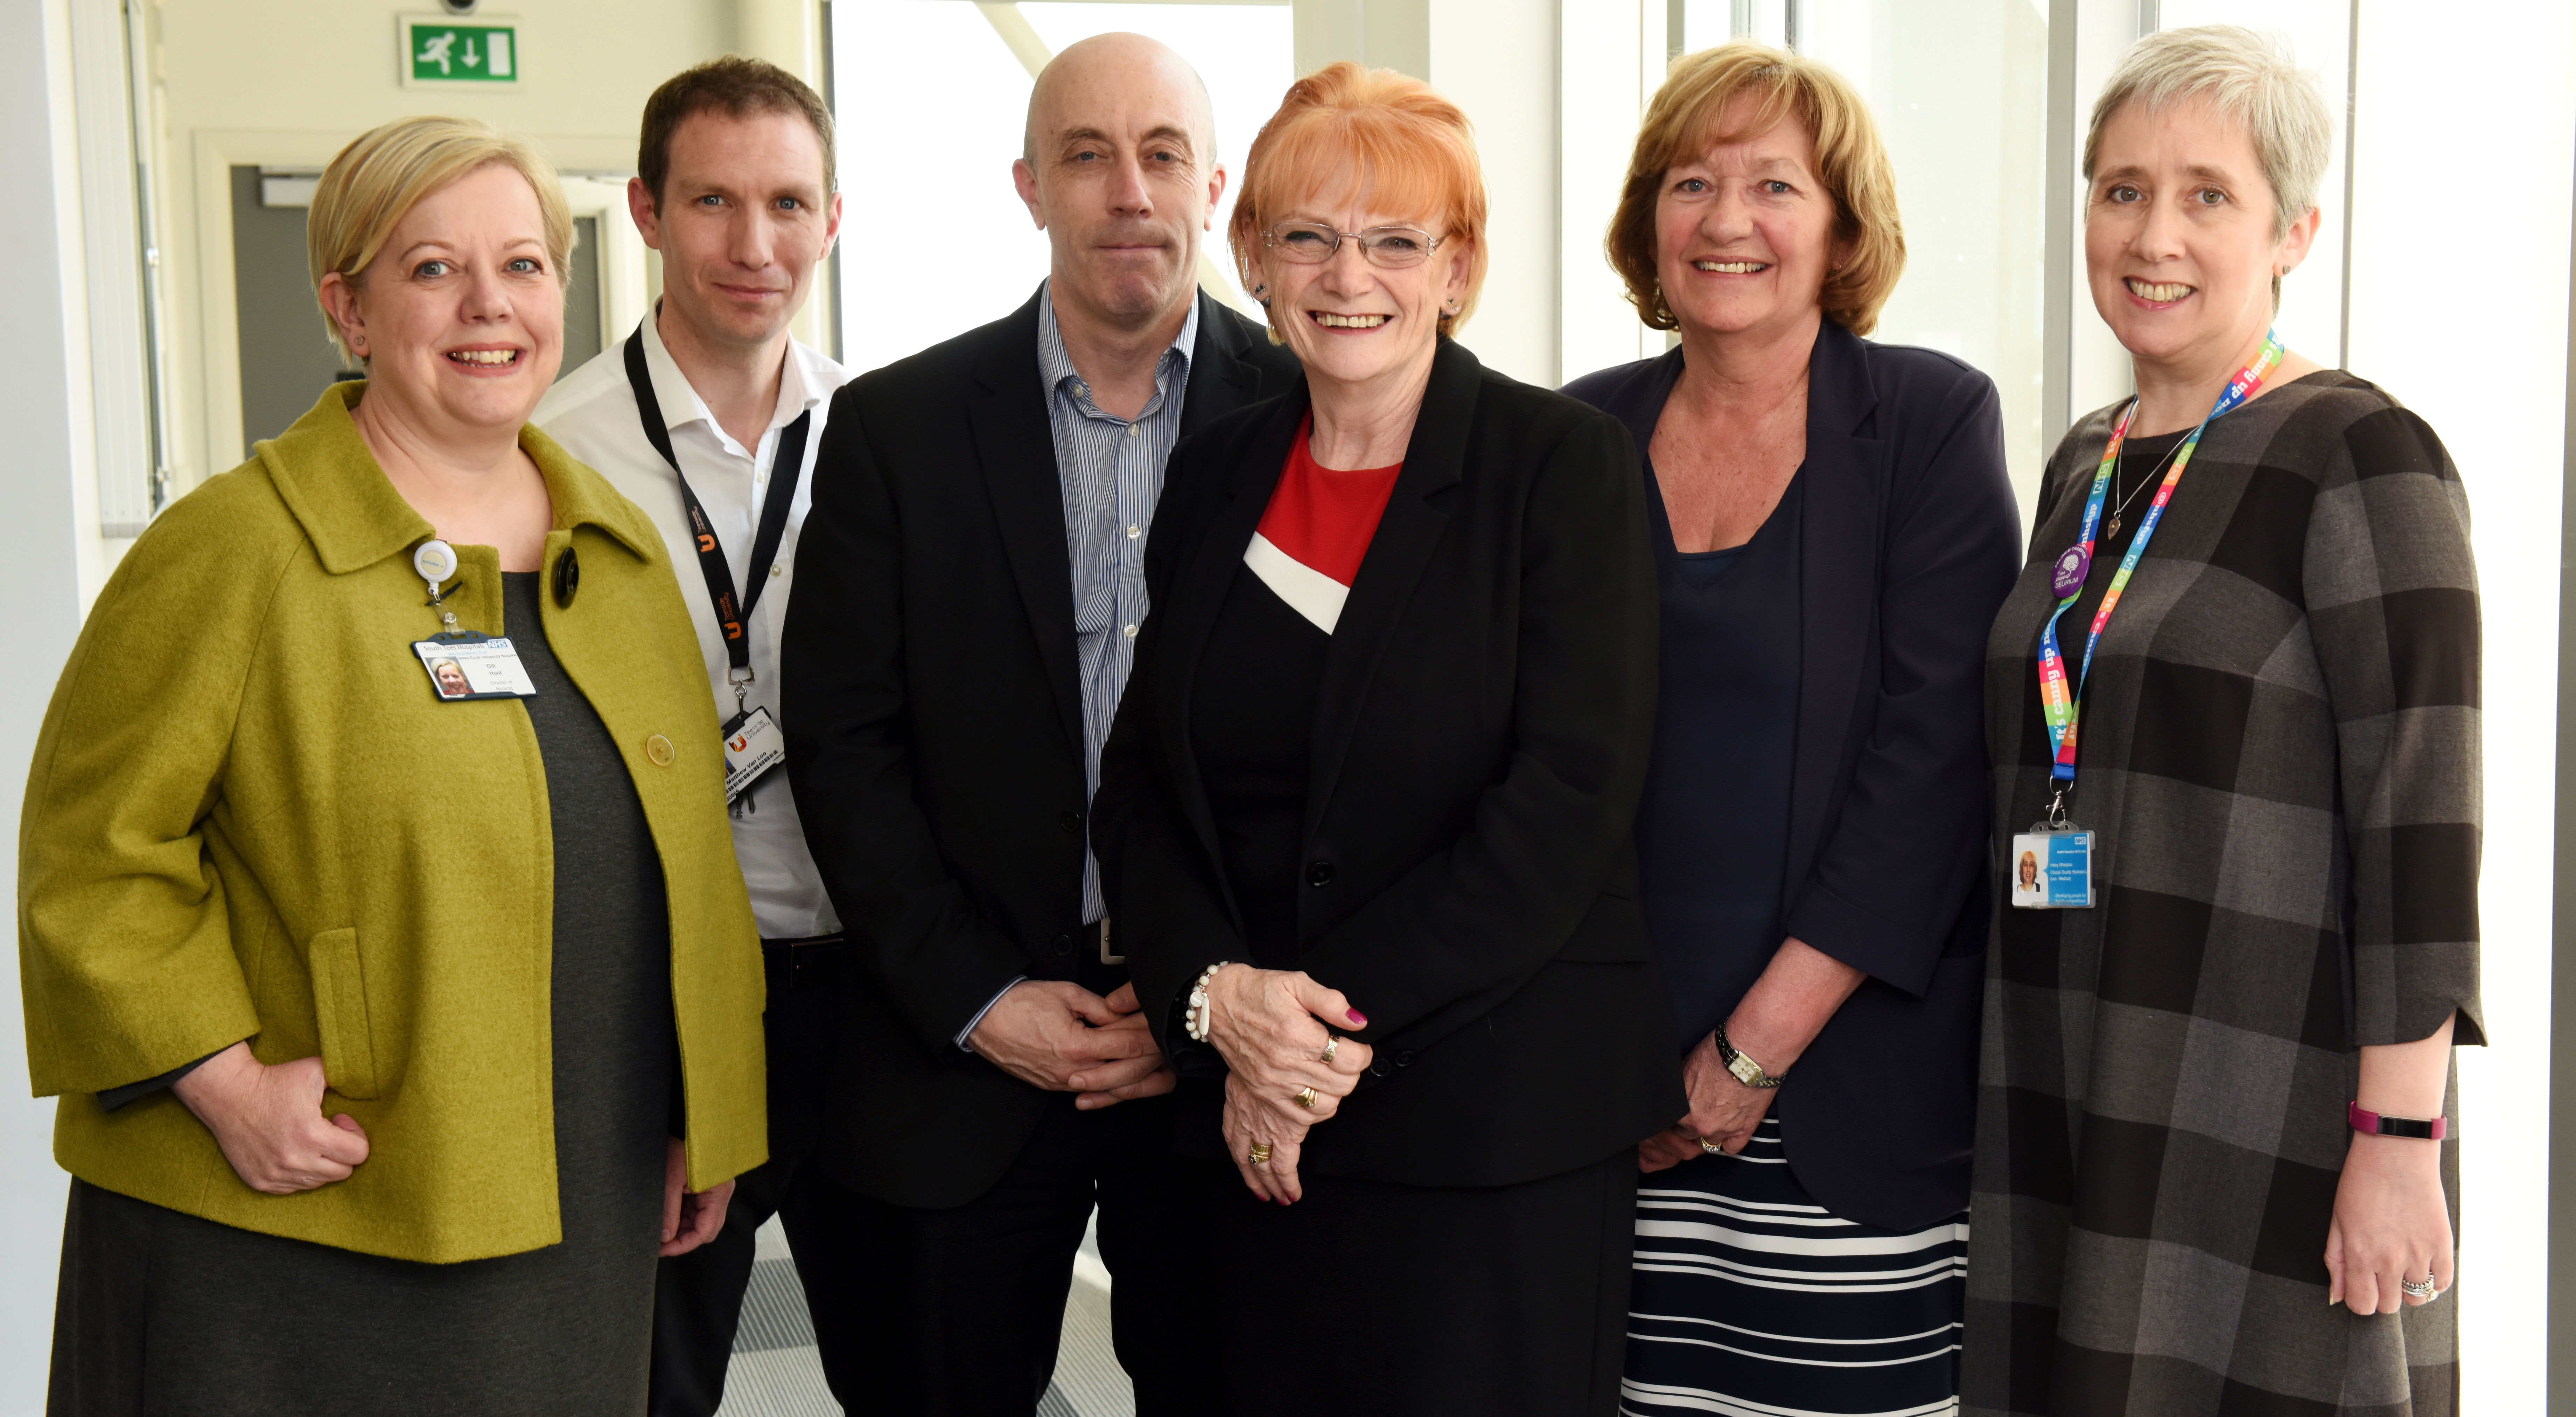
1331	1046
1261	1153
1305	1097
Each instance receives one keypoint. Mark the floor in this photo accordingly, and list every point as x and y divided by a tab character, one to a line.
775	1373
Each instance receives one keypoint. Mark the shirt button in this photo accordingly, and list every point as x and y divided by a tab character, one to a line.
1131	632
778	568
1133	533
1131	430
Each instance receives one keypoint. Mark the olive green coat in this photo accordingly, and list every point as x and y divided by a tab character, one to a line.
249	816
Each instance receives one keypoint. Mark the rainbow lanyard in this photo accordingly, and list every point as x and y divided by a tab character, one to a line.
2058	704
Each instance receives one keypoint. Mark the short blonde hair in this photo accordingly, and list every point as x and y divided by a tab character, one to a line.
1409	150
378	178
2249	80
1686	120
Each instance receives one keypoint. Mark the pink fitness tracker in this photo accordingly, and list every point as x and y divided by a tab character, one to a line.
2370	1123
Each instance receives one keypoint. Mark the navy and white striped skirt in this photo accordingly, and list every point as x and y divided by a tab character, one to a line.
1751	1300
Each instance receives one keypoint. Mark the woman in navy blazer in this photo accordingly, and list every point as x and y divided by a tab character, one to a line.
1833	533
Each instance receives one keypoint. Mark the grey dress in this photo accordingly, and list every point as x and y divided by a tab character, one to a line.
164	1313
2280	751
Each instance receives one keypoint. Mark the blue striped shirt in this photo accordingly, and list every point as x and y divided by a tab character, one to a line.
1111	473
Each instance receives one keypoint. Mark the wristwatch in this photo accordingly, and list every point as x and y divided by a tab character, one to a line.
1746	1071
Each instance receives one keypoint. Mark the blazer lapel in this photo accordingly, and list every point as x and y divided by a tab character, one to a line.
1016	445
1407	534
1221	380
1838	557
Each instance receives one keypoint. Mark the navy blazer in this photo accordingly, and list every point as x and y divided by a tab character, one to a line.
1910	543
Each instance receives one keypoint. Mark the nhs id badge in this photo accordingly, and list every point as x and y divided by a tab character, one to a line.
753	747
2052	869
470	666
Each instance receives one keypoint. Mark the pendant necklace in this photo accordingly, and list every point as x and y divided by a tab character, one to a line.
2122	510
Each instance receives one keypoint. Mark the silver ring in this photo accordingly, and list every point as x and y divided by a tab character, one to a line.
1711	1148
1331	1046
2424	1290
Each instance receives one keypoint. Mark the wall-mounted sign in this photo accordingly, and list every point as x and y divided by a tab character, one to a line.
440	52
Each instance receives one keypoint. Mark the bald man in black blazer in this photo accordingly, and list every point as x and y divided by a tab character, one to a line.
951	664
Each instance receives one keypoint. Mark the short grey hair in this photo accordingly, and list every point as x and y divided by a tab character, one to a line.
2249	80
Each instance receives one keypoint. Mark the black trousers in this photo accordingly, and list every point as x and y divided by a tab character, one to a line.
842	1249
983	1285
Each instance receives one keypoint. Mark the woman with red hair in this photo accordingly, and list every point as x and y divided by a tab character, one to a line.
1365	816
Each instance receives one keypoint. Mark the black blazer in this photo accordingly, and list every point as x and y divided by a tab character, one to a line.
1480	744
1910	544
934	732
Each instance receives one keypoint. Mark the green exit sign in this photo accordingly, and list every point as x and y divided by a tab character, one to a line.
437	51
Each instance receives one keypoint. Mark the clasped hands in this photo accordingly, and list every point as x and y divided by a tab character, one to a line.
1062	1037
1286	1070
268	1121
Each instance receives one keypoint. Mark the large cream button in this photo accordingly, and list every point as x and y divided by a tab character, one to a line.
658	748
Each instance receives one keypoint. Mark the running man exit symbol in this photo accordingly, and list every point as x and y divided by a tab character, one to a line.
436	52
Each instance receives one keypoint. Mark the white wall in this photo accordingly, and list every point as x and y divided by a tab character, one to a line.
2459	309
1497	60
44	403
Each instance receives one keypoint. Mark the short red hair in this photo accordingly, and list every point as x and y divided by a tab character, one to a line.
1378	138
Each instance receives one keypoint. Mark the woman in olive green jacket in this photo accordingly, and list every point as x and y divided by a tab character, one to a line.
378	1014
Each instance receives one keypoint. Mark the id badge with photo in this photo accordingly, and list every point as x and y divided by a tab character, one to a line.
2052	869
753	748
471	666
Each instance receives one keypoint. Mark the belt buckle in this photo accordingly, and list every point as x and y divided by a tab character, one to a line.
1105	956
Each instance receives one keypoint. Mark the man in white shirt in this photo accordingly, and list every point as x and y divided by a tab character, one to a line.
735	190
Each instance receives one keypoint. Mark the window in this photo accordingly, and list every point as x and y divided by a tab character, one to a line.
932	96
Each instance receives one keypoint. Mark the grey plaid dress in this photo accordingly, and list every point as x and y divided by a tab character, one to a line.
2280	751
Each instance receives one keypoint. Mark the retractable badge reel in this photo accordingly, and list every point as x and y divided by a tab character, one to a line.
463	665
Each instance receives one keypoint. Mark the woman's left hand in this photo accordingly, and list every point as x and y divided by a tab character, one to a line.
2391	1225
689	1218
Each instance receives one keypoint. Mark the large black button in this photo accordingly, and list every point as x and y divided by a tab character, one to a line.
1404	1059
1071	822
1320	874
567	578
1064	944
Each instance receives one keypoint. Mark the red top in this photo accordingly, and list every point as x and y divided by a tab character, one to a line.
1324	517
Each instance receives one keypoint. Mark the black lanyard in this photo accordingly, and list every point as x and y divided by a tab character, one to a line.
773	511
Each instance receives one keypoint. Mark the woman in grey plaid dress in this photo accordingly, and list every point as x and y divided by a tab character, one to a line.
2176	1208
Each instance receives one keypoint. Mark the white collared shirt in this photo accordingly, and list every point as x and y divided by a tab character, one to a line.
592	413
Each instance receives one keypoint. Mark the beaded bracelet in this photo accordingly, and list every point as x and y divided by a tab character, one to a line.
1196	1019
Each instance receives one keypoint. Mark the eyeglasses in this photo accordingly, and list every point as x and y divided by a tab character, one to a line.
1311	243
